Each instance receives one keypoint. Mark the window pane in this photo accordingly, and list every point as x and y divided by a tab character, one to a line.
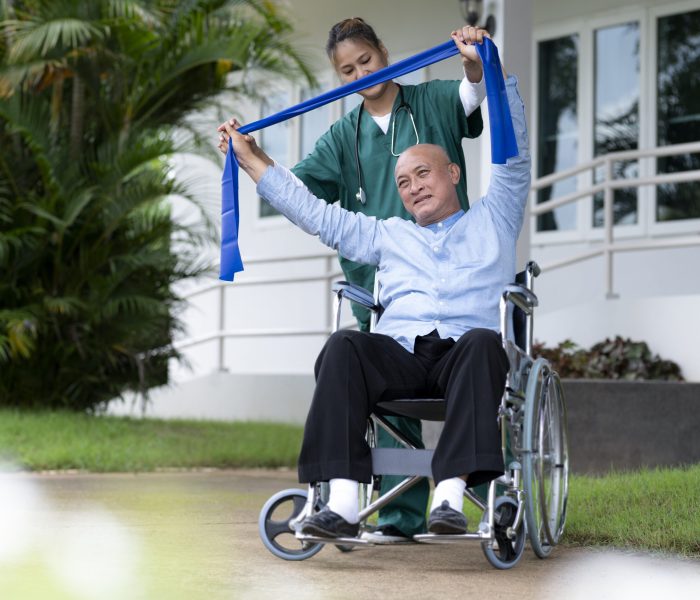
558	126
274	140
616	119
313	123
678	116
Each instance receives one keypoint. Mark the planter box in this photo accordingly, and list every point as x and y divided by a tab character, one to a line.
625	425
620	425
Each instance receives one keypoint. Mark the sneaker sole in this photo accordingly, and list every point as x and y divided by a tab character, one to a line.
443	527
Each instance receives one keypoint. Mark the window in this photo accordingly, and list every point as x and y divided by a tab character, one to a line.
275	139
616	113
558	126
678	111
313	123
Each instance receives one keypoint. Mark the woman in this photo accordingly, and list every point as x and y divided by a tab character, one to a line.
353	162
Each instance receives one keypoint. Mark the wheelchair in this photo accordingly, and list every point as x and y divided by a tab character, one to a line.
528	501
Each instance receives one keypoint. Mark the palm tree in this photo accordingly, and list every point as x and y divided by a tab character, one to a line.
93	96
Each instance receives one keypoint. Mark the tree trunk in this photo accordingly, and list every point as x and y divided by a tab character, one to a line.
56	102
77	116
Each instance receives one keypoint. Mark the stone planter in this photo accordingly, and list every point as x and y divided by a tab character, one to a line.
623	425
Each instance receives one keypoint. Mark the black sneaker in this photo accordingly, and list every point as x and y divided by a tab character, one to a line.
446	520
328	524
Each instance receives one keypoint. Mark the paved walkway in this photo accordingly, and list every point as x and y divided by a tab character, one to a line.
194	536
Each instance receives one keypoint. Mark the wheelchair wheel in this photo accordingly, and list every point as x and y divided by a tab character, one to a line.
545	459
274	526
505	552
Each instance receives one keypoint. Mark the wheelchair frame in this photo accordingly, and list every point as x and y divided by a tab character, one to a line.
528	500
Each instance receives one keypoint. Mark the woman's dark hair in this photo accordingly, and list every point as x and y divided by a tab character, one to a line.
353	28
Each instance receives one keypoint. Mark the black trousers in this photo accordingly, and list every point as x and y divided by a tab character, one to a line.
355	370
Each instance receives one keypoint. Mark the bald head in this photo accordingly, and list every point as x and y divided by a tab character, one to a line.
431	152
426	180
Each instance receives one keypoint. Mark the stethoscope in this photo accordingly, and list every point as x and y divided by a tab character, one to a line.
361	196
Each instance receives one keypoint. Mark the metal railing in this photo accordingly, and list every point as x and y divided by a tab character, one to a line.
608	247
331	273
608	186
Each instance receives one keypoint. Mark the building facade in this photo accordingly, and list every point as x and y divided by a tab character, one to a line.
601	77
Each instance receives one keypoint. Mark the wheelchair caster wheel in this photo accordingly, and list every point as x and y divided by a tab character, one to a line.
345	549
274	526
505	552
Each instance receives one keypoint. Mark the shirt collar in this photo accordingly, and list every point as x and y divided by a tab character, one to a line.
445	224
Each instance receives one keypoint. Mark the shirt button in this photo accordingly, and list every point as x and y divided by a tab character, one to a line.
437	321
442	279
436	249
440	225
442	303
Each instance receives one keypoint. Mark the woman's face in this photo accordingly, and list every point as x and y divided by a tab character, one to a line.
354	59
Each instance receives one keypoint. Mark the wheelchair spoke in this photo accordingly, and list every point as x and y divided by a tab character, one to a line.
299	504
276	528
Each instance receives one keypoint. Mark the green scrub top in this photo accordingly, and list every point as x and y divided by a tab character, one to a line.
330	170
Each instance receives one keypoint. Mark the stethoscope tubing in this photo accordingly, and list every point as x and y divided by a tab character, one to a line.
361	196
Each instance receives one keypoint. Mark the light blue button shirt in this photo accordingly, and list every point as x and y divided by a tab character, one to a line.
447	276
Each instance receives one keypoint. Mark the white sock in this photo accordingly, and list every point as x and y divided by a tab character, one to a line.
451	490
344	499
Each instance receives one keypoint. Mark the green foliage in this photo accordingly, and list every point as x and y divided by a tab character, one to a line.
95	99
610	359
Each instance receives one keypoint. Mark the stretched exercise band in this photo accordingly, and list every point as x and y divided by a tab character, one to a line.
503	144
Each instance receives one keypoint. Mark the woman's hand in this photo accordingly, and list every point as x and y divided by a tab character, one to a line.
465	40
251	158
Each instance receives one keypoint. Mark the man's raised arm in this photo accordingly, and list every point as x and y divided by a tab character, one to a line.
509	185
354	235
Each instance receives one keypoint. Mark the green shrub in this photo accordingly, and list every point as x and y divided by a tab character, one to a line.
95	99
610	359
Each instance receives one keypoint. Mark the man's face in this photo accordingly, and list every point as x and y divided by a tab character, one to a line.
426	180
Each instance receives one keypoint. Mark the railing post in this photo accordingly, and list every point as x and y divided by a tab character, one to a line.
609	223
222	324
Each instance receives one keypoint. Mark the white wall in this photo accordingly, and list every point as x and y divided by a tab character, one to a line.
405	27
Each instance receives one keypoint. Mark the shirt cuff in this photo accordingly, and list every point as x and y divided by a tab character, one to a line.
471	94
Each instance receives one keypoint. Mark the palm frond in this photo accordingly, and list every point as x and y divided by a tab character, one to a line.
34	38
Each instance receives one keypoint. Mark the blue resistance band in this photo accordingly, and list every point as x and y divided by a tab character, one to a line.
503	144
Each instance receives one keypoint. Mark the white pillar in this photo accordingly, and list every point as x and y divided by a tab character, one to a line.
514	40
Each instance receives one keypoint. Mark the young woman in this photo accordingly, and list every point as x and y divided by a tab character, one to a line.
353	163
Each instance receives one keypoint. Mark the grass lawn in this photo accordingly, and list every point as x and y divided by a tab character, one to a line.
657	510
61	440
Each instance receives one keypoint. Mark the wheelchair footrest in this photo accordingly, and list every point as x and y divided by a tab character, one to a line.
342	541
448	538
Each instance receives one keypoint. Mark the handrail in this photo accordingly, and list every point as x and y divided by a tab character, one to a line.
609	184
331	272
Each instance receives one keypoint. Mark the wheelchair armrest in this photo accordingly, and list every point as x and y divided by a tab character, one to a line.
355	293
522	297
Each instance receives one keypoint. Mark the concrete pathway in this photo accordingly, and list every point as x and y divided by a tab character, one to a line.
194	536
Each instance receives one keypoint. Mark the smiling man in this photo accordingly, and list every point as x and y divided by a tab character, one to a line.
426	180
441	279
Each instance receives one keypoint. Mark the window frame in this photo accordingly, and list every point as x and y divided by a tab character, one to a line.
648	18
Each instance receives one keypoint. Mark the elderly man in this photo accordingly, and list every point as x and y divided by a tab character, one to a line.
441	278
